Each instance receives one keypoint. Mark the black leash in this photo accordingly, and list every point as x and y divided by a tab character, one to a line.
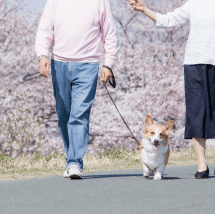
113	84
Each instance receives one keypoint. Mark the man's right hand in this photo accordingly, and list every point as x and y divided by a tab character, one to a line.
44	66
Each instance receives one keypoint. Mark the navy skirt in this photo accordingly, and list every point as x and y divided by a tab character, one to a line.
200	101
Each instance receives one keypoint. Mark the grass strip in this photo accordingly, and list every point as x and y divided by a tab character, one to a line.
40	166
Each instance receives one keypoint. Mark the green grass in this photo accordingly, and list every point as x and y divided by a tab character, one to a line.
39	166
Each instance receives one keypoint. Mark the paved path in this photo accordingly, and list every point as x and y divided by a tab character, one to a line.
115	192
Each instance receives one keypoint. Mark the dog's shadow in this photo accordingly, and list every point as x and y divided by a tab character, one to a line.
166	178
125	175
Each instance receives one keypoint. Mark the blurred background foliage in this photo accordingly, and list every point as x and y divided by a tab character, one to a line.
148	70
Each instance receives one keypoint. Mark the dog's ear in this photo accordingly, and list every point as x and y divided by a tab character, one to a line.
168	126
148	121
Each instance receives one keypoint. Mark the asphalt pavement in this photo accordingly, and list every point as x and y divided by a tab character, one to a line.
113	192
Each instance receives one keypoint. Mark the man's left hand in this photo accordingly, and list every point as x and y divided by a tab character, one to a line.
106	74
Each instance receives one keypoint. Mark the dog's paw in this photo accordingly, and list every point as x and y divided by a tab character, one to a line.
158	176
146	175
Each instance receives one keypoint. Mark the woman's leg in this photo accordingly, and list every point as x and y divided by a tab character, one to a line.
199	145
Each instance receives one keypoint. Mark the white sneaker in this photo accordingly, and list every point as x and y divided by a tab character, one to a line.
74	173
65	174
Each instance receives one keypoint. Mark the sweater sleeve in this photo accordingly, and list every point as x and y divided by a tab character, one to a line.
178	17
109	36
45	30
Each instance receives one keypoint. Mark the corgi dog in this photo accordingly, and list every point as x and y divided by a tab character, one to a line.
155	148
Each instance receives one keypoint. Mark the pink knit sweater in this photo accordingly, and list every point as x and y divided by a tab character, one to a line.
76	29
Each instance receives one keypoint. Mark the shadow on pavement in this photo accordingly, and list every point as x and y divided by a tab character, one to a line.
172	178
126	175
210	176
112	176
166	178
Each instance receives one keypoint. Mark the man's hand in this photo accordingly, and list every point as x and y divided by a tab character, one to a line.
106	74
137	5
44	66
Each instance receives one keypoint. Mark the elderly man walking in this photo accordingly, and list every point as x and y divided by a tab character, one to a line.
75	30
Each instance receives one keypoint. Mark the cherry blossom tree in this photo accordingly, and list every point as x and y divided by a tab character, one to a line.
148	70
19	69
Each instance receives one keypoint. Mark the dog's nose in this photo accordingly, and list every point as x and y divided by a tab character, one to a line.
156	141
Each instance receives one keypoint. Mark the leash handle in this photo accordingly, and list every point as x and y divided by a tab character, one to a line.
112	82
121	115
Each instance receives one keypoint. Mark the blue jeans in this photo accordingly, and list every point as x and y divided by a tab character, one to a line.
74	86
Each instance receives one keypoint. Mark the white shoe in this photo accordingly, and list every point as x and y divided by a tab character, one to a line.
65	174
74	173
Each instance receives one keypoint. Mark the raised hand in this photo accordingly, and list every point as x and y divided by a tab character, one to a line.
137	5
